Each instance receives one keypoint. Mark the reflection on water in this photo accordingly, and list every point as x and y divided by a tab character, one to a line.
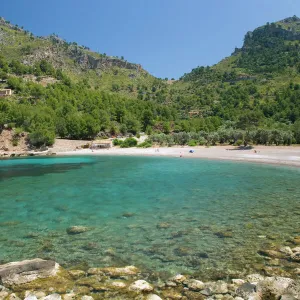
161	214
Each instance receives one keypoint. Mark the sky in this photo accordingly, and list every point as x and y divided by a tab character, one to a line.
167	37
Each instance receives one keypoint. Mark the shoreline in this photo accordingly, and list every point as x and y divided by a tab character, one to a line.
272	155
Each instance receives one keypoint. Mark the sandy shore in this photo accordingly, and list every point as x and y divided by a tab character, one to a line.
280	155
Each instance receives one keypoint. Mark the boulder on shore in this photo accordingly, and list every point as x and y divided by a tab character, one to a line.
27	270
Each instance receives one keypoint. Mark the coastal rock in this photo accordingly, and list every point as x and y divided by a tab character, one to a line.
274	285
287	297
116	272
296	249
76	274
77	229
13	296
53	297
195	285
153	297
178	278
31	297
70	296
286	250
218	287
245	290
3	294
238	281
27	270
296	257
171	294
87	298
140	286
271	253
117	285
254	278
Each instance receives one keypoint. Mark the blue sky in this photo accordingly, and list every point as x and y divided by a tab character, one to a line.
167	37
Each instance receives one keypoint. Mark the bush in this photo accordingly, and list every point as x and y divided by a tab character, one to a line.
146	144
117	142
202	141
41	137
129	142
238	143
192	143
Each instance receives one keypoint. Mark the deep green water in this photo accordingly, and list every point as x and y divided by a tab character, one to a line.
40	197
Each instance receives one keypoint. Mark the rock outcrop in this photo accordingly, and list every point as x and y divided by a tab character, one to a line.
27	270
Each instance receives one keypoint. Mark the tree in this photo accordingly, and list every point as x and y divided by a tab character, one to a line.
41	137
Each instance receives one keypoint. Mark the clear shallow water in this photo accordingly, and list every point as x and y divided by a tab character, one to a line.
179	210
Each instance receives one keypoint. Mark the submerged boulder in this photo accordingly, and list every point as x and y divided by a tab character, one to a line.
115	272
27	270
77	229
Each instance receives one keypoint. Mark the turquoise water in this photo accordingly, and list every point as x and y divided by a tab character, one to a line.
165	215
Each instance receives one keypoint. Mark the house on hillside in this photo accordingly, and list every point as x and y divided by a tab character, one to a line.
105	144
5	92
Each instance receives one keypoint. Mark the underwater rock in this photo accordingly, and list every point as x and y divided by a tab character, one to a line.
90	246
195	285
296	240
178	278
115	272
182	251
271	253
224	234
128	214
77	229
76	274
295	257
286	250
27	270
163	225
140	286
31	235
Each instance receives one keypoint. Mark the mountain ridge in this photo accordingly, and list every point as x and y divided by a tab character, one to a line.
257	87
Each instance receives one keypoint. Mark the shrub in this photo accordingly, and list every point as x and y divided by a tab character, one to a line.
41	137
192	143
146	144
129	142
239	143
202	141
117	142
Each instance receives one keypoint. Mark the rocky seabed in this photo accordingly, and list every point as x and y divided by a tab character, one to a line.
45	279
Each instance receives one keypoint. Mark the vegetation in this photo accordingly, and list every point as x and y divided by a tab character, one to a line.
253	96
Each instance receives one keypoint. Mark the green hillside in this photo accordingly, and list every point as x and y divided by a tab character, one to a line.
63	89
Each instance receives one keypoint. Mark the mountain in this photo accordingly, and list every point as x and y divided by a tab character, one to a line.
67	90
77	62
